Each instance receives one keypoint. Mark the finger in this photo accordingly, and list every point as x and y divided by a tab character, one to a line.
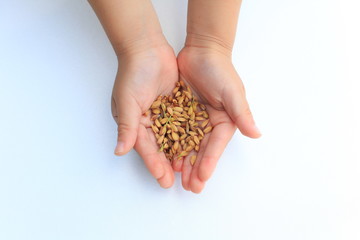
157	164
218	139
186	173
177	164
195	184
128	117
237	107
187	168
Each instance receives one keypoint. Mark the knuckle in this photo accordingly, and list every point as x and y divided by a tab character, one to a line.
124	127
242	88
243	115
207	162
247	111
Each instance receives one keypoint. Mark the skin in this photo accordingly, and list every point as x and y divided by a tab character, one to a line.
205	64
148	68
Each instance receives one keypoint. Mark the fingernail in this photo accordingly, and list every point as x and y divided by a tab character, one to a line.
257	130
159	172
119	149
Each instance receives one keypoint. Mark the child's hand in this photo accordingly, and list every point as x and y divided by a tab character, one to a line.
142	76
213	78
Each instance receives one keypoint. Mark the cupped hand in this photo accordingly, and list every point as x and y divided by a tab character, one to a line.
141	77
214	80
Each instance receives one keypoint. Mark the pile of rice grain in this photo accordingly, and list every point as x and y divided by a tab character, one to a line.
180	122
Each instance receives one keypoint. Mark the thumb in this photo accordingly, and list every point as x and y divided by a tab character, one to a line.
237	107
127	115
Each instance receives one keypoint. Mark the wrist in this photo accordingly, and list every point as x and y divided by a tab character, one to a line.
209	43
139	43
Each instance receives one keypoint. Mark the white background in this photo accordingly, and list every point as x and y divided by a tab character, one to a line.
59	178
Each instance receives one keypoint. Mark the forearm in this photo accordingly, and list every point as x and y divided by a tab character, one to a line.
212	24
131	25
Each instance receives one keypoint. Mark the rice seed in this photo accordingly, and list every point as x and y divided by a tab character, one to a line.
163	107
156	104
180	100
208	129
190	111
157	123
163	121
192	133
177	114
154	117
156	111
147	113
173	128
169	109
155	129
176	145
196	140
204	123
202	106
175	136
181	130
182	137
189	90
193	159
199	119
182	84
178	109
175	90
183	154
200	132
177	123
161	139
189	148
170	137
187	94
181	119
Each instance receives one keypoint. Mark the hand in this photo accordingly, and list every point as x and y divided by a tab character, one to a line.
142	76
214	80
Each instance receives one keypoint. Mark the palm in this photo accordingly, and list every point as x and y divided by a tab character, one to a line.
139	81
211	80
